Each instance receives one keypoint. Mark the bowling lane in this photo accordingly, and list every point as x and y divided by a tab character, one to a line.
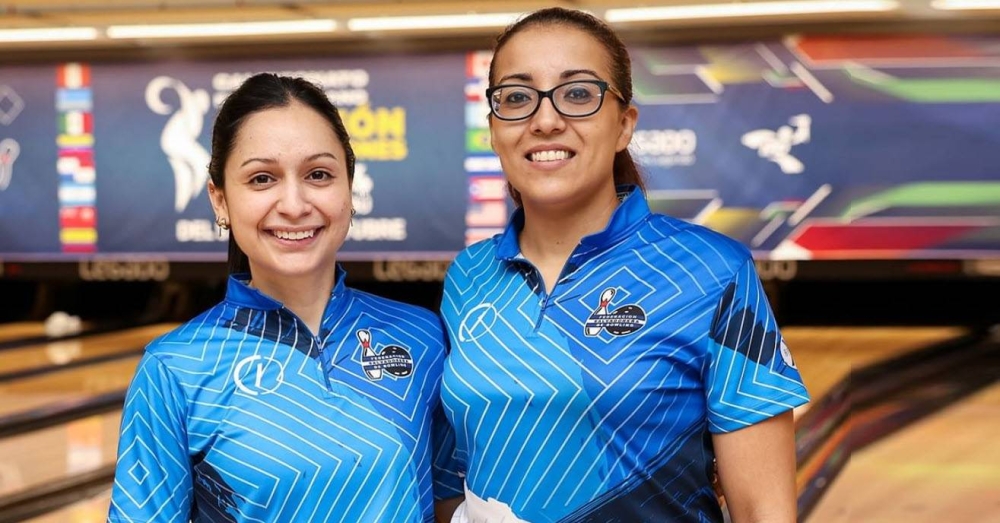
826	355
62	352
21	329
92	510
945	467
73	384
40	457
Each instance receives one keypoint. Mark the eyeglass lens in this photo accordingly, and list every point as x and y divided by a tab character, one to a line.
572	99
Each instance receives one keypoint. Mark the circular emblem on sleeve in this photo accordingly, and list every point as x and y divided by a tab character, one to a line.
786	355
390	359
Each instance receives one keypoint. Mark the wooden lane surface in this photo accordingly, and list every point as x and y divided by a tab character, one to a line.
40	457
61	352
93	510
826	355
78	383
21	329
943	468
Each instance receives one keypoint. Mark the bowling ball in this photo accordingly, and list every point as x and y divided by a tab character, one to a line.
629	318
401	369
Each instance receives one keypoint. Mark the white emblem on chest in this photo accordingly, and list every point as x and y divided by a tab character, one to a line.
477	322
256	375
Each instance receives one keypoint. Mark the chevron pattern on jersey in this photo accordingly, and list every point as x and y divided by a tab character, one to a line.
654	496
602	389
241	416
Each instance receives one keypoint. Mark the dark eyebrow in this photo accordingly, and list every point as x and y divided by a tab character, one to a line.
565	75
272	160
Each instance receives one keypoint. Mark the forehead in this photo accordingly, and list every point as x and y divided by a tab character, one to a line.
292	122
287	131
544	52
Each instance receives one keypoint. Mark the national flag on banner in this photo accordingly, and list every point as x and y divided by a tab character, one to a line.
76	166
476	115
486	214
477	64
73	75
72	158
79	248
483	164
78	217
76	123
77	194
484	188
475	89
79	175
78	236
74	100
75	140
477	141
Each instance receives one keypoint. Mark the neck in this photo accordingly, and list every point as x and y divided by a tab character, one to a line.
305	297
551	234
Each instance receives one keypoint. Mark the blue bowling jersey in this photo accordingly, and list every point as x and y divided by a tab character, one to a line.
597	401
242	414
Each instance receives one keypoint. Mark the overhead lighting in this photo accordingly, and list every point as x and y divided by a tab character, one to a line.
398	23
222	29
48	34
726	10
960	5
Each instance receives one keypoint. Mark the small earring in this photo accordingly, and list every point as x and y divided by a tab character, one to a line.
353	212
222	223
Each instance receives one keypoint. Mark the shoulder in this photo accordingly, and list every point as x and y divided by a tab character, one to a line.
476	257
391	310
482	249
698	243
193	335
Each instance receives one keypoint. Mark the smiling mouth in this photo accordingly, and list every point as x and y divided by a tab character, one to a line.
550	156
294	235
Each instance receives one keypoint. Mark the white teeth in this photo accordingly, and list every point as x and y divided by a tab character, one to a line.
288	235
549	156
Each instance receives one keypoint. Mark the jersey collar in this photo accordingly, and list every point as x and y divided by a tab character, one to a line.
240	294
629	216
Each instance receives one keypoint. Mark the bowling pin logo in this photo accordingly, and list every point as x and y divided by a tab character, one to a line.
623	320
392	359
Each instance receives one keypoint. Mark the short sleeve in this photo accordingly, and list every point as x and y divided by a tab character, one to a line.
750	374
153	472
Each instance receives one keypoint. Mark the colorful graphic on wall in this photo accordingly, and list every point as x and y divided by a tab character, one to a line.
855	147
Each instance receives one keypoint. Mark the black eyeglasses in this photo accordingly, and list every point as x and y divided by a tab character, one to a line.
574	99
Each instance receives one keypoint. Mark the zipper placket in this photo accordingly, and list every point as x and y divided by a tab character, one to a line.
539	288
325	364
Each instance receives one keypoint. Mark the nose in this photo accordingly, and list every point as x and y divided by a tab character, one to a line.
546	119
293	199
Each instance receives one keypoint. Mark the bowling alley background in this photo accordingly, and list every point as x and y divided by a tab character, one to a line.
866	159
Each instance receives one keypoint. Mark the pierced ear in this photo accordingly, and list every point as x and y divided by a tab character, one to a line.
218	199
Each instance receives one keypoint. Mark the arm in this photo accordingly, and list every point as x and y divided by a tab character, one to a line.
752	386
445	508
153	471
757	471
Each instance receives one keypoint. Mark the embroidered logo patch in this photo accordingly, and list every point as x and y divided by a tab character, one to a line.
391	359
623	320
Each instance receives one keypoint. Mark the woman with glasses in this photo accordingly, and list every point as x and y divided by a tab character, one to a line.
603	357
